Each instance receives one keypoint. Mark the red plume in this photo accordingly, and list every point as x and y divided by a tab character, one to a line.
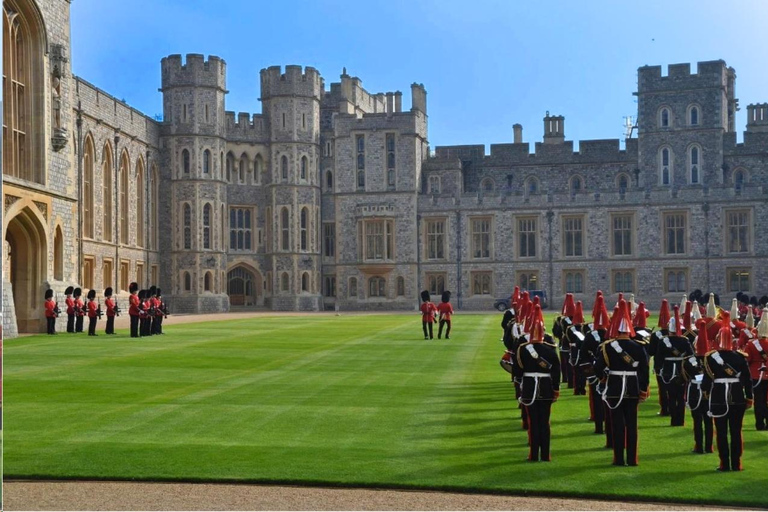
664	315
568	305
578	316
726	336
678	327
702	340
641	316
537	325
687	315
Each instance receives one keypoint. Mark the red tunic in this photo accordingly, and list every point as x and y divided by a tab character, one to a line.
745	336
756	359
80	304
70	305
110	303
445	309
428	311
133	308
50	305
93	307
156	304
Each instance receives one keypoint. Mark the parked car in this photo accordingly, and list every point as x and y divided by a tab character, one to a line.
503	304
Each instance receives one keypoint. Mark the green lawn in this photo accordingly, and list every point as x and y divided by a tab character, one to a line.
349	400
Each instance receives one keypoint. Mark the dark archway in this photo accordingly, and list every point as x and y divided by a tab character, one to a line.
27	262
242	287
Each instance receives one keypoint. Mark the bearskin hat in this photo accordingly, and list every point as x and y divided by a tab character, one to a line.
753	301
446	296
69	290
152	290
141	294
108	292
425	296
763	301
696	296
133	287
77	292
48	294
159	293
91	294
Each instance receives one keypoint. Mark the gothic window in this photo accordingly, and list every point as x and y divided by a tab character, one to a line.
187	226
400	286
390	147
623	183
153	208
739	280
329	239
258	168
284	282
376	287
206	162
738	179
487	185
240	230
623	281
303	228
208	282
230	166
330	286
140	204
434	185
676	281
304	164
185	161
106	172
88	183
576	185
207	226
187	282
304	282
360	143
124	215
664	117
574	281
481	283
285	229
352	292
329	180
242	167
284	168
435	283
531	186
58	255
693	160
693	116
528	280
665	166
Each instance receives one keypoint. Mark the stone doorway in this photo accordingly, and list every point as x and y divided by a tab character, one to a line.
26	250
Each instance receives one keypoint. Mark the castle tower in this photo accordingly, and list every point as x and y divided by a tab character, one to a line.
554	129
291	108
193	193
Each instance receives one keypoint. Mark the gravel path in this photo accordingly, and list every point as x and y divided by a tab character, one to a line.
83	495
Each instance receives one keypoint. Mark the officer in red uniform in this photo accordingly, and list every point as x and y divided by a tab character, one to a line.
538	369
70	302
94	313
428	310
445	310
133	309
757	358
693	372
50	312
79	309
626	365
727	380
111	305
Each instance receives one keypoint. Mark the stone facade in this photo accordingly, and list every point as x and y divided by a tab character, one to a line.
331	199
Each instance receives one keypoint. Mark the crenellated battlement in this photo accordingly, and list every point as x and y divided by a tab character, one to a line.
194	72
295	81
713	73
757	117
243	125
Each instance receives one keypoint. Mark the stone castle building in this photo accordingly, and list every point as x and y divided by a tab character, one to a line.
331	198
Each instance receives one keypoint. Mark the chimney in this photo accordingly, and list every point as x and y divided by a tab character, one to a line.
418	98
390	103
398	101
554	129
518	129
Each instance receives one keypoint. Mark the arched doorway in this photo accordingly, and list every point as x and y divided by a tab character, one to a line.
27	260
241	287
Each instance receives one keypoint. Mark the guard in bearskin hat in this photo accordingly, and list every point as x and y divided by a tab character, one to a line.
133	309
145	326
623	367
94	313
79	309
693	373
162	311
538	368
154	310
51	308
445	311
728	383
757	358
428	311
70	302
112	310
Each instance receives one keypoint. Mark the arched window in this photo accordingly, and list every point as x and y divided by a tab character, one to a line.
223	230
124	215
376	287
206	162
531	186
187	226
623	183
187	282
208	281
140	205
258	168
58	255
664	118
739	178
185	161
106	172
284	282
304	164
154	192
207	212
284	168
693	115
88	162
400	286
230	166
243	166
305	282
329	180
487	185
352	287
221	162
303	222
284	228
693	161
665	166
576	185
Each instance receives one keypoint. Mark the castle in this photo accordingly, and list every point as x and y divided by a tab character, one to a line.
331	199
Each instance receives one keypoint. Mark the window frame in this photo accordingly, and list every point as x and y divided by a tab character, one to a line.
667	214
668	271
528	274
564	219
437	279
612	216
727	213
670	167
574	272
365	238
478	280
380	284
729	280
633	279
440	239
534	234
473	234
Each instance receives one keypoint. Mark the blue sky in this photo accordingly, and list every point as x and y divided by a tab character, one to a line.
486	64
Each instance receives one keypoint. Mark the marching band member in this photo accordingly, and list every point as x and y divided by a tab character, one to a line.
695	396
757	358
653	347
671	351
79	309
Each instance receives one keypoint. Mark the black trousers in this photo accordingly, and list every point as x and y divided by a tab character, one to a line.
597	410
730	454
70	323
51	324
761	403
703	426
134	326
446	323
110	325
566	370
160	325
523	410
145	326
92	325
624	423
79	323
538	429
424	327
663	397
579	381
676	404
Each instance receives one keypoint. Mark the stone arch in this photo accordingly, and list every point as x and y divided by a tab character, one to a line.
488	185
243	168
576	184
140	202
244	282
89	163
26	246
259	172
58	254
124	197
107	177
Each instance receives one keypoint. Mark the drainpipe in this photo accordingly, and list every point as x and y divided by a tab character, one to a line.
459	295
706	240
419	248
147	173
80	194
550	215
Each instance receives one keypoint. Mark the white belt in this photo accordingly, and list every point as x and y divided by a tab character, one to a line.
622	374
537	374
725	381
674	358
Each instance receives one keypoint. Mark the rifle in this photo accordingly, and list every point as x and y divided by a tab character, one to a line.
164	309
56	309
98	311
117	308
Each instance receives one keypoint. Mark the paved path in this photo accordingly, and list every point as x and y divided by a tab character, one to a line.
84	495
